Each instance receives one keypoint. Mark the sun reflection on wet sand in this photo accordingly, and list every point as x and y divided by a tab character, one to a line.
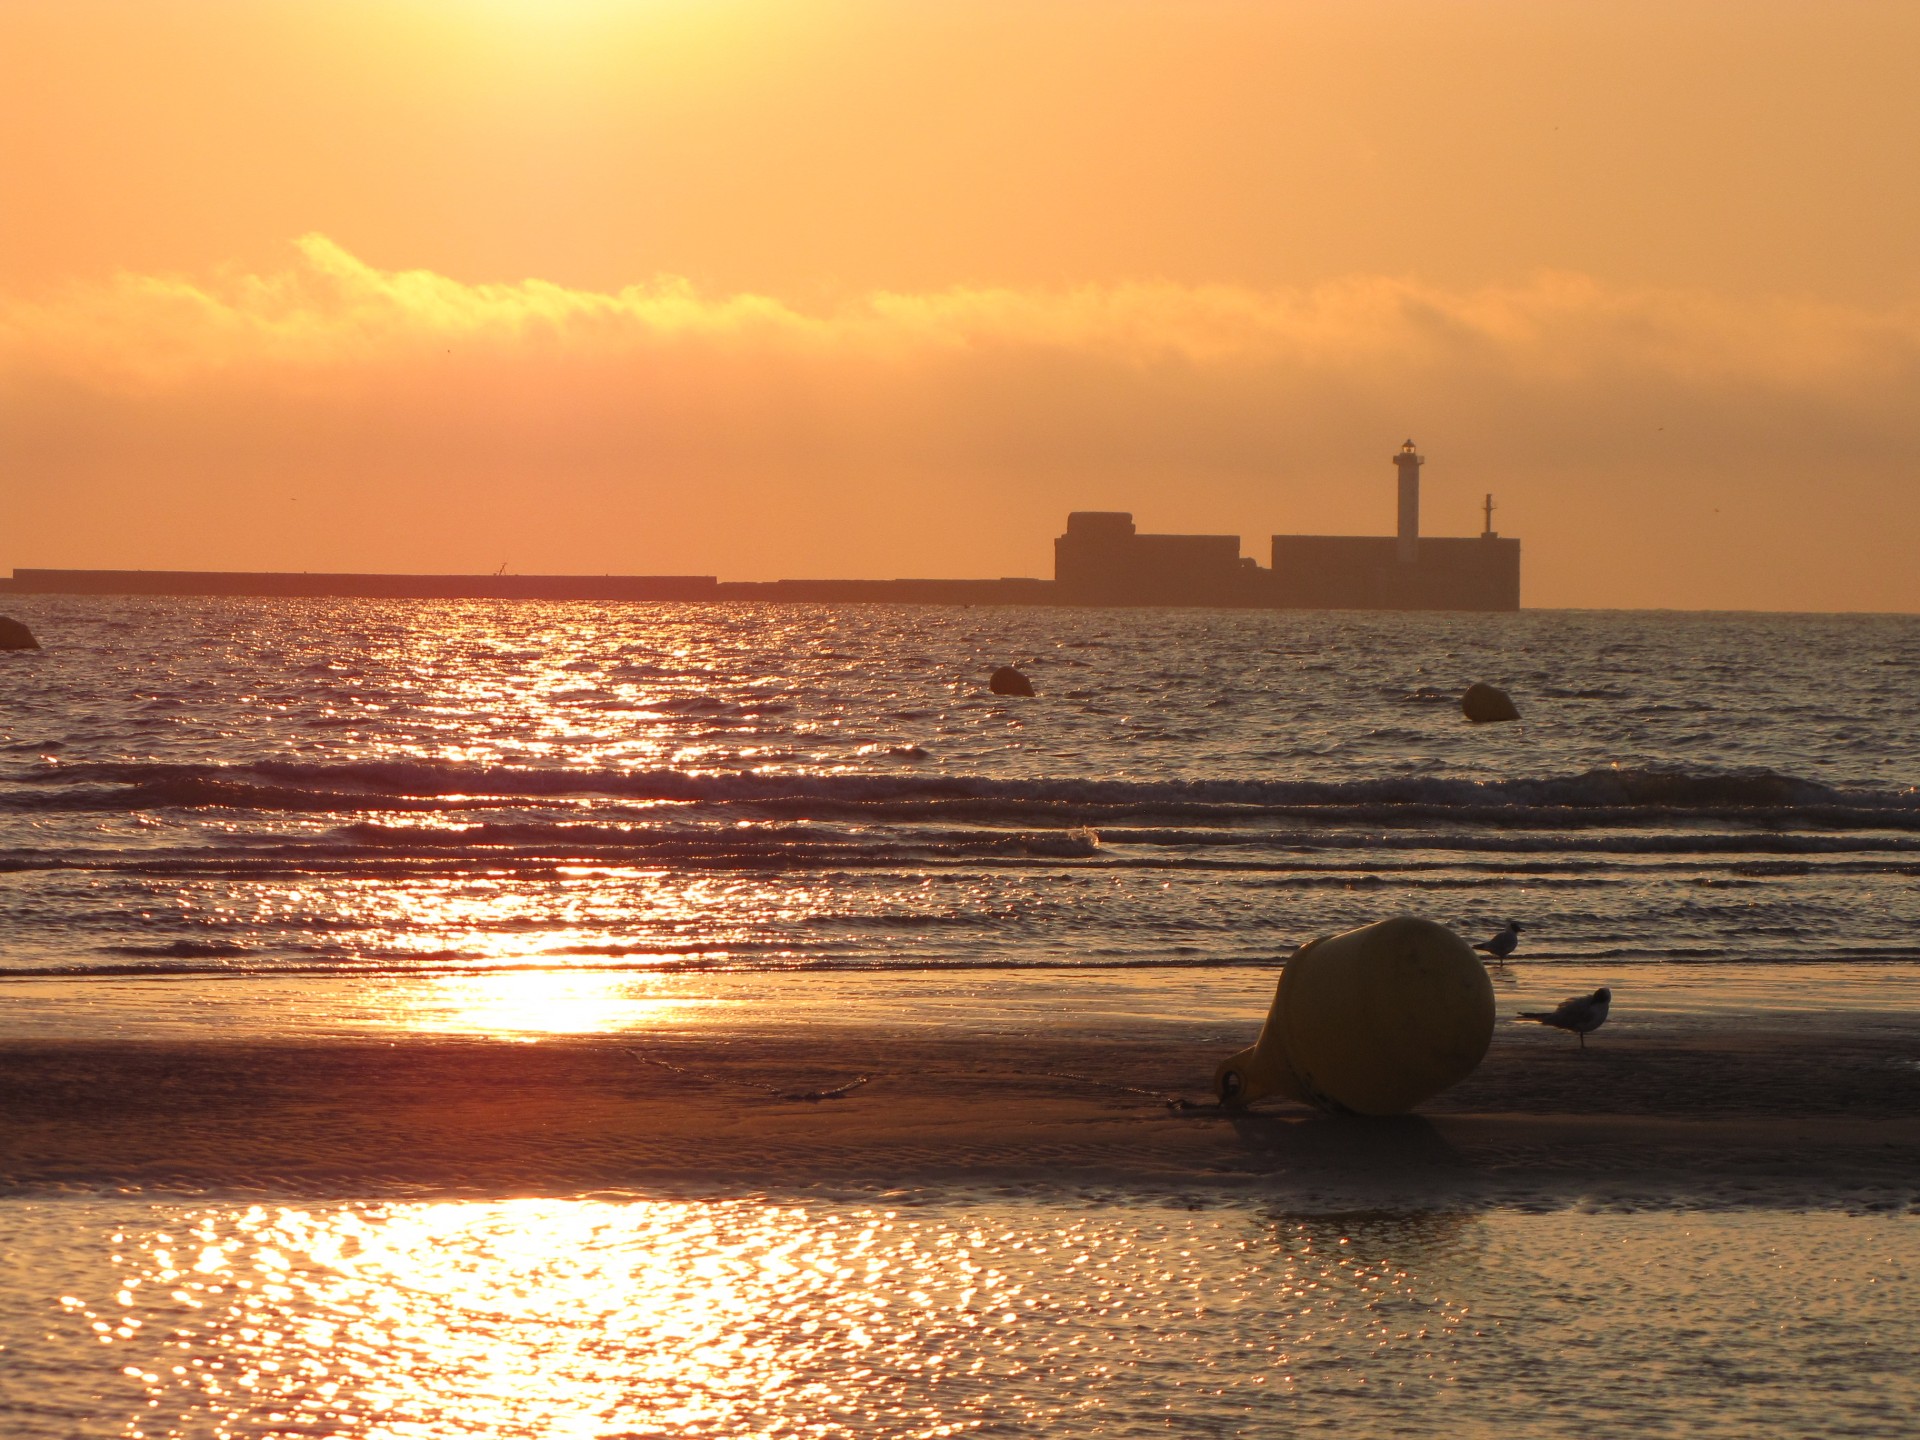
619	1317
529	1004
690	993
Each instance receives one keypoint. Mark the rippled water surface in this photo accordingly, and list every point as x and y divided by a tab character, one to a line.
244	785
608	1317
528	820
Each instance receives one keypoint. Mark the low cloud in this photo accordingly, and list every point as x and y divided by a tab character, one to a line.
331	309
900	433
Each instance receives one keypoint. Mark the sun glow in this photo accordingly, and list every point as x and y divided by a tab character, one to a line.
529	1004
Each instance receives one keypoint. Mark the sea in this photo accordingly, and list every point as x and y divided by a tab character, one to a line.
210	809
263	787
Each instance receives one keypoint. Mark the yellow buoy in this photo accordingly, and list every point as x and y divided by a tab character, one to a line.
1372	1021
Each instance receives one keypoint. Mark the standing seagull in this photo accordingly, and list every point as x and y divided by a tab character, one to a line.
1501	945
1580	1014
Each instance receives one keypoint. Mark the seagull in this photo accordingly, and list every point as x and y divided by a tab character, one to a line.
1580	1014
1500	945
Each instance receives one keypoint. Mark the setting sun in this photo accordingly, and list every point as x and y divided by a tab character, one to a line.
916	719
862	290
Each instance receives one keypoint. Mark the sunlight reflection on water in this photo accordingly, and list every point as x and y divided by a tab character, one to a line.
534	1003
198	787
604	1317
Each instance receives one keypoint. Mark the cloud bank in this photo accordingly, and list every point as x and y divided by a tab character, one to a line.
332	309
424	421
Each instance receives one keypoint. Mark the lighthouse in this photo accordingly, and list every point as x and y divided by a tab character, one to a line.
1408	462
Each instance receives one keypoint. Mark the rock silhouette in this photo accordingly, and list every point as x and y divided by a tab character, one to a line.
1009	681
1484	702
15	636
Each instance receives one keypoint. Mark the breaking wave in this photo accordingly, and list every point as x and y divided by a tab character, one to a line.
1594	797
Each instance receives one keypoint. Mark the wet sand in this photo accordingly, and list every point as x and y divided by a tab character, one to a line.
1820	1109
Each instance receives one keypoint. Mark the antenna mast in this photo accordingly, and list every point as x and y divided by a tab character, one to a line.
1488	533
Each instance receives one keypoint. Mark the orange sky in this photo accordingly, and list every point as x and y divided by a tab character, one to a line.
762	288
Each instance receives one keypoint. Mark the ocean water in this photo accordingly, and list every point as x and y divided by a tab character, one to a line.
248	818
247	787
605	1318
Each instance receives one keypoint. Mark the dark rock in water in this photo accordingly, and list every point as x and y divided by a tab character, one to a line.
1483	702
15	636
1009	681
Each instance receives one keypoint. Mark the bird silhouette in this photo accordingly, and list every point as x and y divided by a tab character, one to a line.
1580	1014
1500	945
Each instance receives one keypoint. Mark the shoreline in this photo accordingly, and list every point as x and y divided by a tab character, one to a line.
1811	1111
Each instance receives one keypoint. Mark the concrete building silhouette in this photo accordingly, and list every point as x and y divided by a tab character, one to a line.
1101	560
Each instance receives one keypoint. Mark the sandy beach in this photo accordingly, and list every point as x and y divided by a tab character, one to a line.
1689	1110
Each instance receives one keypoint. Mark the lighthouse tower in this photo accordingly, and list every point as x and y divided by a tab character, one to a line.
1408	461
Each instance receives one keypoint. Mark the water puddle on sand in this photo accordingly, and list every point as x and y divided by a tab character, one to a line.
618	1317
